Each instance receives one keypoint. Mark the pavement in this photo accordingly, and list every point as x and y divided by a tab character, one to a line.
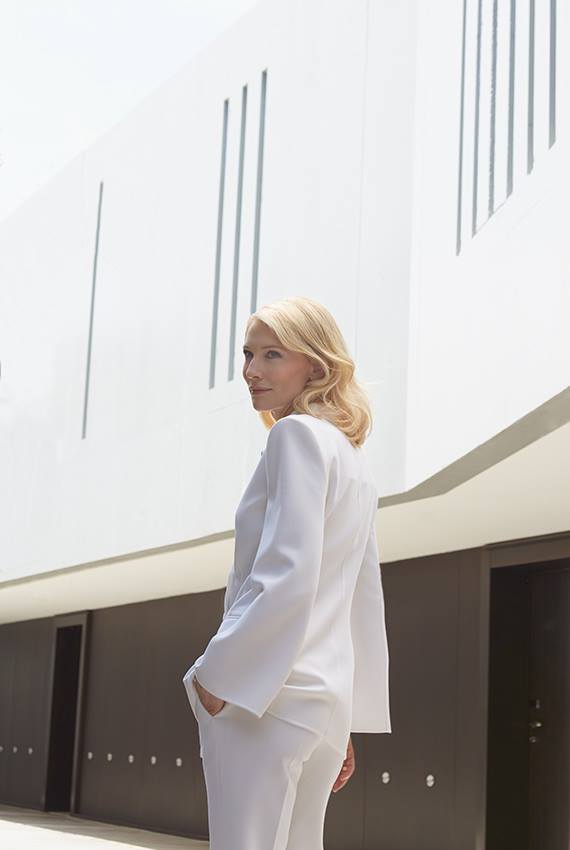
29	829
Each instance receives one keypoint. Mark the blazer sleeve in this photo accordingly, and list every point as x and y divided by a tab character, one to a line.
250	657
231	589
370	700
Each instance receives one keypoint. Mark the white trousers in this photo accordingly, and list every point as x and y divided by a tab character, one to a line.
268	781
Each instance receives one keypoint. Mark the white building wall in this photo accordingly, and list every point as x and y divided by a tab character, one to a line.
165	457
359	202
488	338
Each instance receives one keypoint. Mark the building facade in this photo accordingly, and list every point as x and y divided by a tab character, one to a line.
411	171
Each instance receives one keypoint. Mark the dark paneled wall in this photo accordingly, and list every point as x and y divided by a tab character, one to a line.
25	657
420	788
136	705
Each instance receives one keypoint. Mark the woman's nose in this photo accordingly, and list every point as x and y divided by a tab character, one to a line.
251	373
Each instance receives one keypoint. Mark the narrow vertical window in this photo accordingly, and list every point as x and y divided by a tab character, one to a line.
552	76
507	102
476	127
218	246
493	133
511	125
254	281
237	236
93	281
461	131
530	119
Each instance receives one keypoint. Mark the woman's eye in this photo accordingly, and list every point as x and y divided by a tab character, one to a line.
246	353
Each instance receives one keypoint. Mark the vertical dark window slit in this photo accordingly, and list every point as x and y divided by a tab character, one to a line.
530	117
493	126
218	246
511	119
476	128
552	78
461	129
93	282
237	234
255	273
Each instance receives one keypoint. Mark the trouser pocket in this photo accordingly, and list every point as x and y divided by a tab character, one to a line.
202	709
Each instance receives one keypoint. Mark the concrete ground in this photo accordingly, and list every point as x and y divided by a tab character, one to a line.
28	829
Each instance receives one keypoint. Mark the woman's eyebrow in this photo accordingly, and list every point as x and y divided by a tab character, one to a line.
265	346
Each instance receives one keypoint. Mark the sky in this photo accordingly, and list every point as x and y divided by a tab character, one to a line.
70	69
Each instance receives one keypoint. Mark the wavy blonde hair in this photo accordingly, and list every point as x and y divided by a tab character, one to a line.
307	327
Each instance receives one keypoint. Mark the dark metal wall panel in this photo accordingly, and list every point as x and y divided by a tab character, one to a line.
115	711
136	706
7	664
470	745
404	811
173	795
25	653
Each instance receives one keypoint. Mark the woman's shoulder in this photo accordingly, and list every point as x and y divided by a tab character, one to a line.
322	426
325	434
292	420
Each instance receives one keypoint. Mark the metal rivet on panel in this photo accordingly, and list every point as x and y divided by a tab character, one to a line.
30	750
386	777
109	756
89	755
178	762
131	758
14	749
153	759
430	780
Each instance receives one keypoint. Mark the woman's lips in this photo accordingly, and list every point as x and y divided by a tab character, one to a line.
265	390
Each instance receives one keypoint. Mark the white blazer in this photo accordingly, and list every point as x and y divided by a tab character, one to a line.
303	634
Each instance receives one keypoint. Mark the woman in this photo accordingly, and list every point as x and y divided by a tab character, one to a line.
301	656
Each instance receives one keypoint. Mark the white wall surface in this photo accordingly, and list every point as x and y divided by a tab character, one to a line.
165	458
488	327
358	211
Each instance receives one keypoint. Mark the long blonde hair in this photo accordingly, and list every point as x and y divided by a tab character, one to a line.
307	327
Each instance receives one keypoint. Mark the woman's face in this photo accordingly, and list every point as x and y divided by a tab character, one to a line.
280	372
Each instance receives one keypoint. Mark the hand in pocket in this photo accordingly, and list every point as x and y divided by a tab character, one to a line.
211	703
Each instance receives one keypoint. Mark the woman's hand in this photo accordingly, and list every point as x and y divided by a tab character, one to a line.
347	768
211	703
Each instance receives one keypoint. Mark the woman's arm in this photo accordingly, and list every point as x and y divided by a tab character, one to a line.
249	659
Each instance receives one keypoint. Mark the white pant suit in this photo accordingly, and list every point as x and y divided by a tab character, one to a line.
301	654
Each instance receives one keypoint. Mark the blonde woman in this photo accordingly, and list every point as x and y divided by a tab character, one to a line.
301	656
